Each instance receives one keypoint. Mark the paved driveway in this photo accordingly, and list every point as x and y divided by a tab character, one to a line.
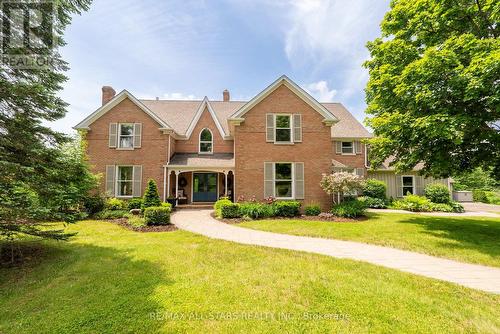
469	275
481	207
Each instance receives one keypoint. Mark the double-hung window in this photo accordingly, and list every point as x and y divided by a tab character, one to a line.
283	180
347	147
124	180
126	135
408	184
283	129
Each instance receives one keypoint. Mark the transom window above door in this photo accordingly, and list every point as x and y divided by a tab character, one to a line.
283	128
206	141
126	135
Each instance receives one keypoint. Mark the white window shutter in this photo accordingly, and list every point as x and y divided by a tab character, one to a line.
399	185
269	127
137	175
113	134
297	128
268	179
360	171
299	180
338	147
110	180
137	135
357	146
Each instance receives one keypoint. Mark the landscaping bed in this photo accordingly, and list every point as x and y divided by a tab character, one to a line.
124	222
321	217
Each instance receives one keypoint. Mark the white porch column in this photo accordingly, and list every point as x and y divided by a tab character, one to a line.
177	172
164	183
169	172
225	180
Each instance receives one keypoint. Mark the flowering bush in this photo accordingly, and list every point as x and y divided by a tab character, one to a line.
341	183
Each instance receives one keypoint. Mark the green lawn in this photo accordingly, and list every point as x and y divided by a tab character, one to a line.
110	280
472	239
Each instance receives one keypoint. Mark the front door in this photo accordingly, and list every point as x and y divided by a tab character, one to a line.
204	187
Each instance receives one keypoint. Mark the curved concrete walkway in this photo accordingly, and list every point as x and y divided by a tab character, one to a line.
469	275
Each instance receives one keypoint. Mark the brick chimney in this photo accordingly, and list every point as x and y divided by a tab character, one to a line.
225	95
107	94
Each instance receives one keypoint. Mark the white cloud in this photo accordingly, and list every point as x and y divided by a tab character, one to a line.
321	91
178	96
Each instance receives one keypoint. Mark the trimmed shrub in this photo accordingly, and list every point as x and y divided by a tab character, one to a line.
437	193
166	205
312	210
413	203
134	203
230	210
115	204
479	196
375	189
256	210
111	214
218	205
286	208
349	209
372	202
151	196
94	204
156	215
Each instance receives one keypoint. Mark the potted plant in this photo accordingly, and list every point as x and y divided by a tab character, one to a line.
172	200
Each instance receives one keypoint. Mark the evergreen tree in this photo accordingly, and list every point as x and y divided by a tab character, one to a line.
151	196
41	179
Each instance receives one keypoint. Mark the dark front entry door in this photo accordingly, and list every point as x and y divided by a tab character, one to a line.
204	187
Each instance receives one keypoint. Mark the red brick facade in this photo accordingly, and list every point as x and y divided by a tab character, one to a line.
249	146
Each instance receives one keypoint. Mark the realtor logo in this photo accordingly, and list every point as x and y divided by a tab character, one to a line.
27	33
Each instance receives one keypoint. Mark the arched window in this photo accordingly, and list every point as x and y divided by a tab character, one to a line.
206	141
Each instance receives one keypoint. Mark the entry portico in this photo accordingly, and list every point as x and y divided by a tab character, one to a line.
199	178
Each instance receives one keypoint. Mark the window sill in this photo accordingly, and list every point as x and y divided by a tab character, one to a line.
125	148
285	198
347	153
206	153
119	196
283	143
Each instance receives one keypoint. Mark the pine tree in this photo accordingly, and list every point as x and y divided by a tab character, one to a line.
151	196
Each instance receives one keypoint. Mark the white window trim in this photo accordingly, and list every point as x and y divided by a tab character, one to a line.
119	135
117	182
293	180
290	116
205	142
412	183
353	148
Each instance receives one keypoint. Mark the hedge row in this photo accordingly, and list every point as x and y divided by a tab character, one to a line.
226	209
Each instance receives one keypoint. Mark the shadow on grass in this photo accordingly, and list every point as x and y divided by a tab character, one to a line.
70	287
476	234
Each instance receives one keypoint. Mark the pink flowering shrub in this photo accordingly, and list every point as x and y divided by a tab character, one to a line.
340	183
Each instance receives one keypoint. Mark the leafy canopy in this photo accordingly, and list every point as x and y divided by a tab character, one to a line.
434	91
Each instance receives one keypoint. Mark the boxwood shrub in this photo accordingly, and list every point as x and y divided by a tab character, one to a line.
230	210
312	210
134	203
157	215
286	208
349	209
218	205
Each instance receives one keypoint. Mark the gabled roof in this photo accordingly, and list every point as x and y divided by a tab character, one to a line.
347	126
284	80
205	104
114	102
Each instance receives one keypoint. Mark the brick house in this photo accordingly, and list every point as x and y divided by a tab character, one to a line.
277	144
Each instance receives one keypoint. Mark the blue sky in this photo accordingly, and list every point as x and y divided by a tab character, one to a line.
192	48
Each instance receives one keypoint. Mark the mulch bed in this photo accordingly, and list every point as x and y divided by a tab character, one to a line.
333	219
158	228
